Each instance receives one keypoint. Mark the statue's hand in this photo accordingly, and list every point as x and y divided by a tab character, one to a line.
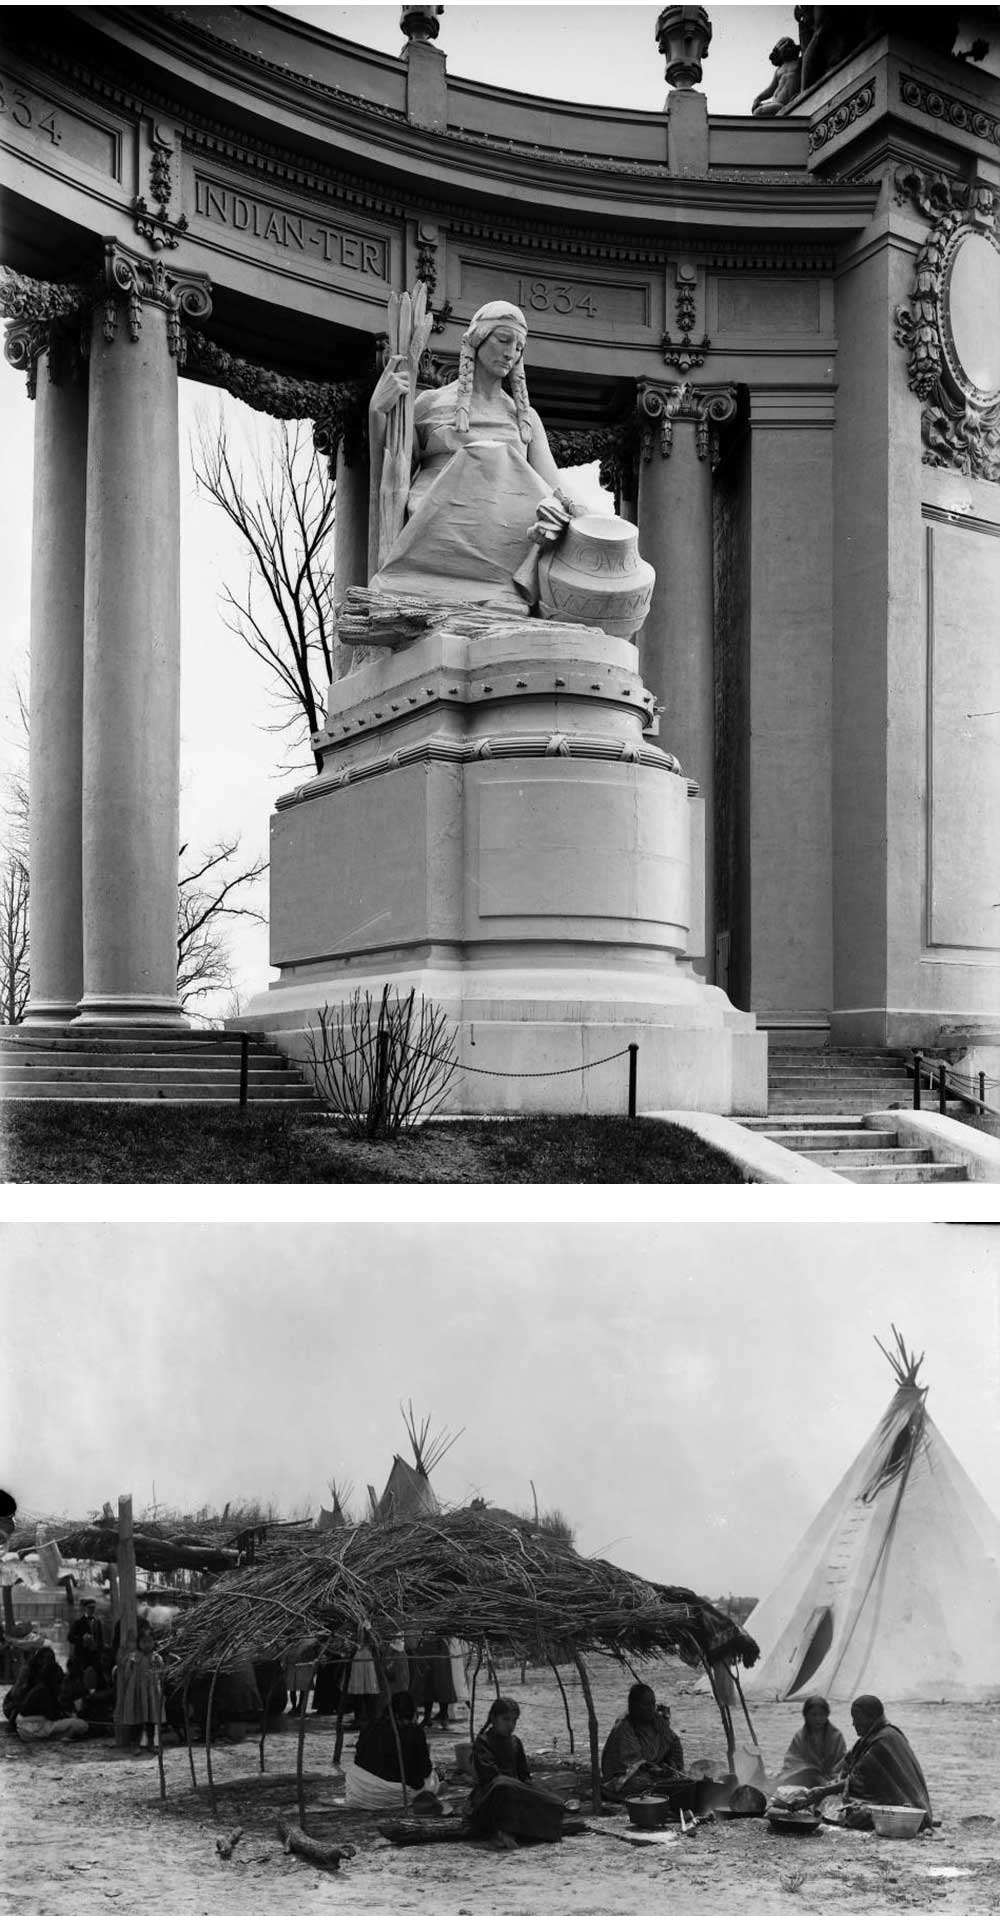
393	384
552	516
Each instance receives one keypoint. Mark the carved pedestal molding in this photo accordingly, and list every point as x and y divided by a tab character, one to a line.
131	680
949	320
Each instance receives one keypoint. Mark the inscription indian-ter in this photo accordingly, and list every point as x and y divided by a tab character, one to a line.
349	248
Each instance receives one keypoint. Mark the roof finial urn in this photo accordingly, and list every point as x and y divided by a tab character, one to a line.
420	23
683	35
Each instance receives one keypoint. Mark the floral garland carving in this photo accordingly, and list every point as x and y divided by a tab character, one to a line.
37	311
338	409
960	425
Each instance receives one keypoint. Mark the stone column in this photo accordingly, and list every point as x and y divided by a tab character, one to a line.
55	756
676	649
131	754
350	536
41	332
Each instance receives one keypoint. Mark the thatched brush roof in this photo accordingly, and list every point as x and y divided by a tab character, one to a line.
474	1574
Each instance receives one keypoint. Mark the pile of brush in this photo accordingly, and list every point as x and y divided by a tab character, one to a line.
480	1575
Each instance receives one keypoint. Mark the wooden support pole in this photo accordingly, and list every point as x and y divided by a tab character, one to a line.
208	1739
384	1685
187	1732
472	1693
595	1755
565	1699
300	1788
128	1617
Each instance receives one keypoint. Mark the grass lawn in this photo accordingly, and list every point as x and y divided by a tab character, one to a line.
56	1143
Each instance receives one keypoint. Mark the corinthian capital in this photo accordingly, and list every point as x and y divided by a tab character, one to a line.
707	407
132	280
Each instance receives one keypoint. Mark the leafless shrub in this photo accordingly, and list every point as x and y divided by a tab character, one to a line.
384	1064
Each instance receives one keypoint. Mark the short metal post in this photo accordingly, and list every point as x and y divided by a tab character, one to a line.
918	1065
244	1068
942	1089
633	1069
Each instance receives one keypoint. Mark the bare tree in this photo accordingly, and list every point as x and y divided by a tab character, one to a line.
14	975
283	510
213	888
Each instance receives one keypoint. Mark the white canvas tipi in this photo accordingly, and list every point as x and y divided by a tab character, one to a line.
895	1588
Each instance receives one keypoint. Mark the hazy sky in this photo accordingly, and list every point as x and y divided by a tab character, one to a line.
688	1395
231	766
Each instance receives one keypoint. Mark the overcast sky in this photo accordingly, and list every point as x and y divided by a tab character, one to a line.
231	764
688	1395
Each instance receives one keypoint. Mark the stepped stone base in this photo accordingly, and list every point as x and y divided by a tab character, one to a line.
71	1065
496	827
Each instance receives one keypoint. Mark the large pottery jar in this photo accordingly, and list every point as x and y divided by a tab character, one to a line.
594	576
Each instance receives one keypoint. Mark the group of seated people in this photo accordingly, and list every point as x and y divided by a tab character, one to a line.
880	1768
46	1701
641	1755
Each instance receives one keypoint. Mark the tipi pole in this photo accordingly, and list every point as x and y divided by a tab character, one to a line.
338	1741
565	1699
595	1761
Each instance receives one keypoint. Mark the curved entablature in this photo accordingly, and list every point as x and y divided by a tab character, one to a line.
306	178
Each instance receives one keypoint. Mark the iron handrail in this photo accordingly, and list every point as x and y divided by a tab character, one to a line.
937	1069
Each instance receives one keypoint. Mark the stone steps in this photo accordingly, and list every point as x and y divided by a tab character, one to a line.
70	1066
818	1104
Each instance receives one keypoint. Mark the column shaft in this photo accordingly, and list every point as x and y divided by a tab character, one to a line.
131	679
676	645
350	537
56	698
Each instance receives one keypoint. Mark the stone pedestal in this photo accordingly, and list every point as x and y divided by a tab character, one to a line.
56	702
495	826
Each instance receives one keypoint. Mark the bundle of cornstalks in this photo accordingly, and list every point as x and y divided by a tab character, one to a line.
479	1575
383	618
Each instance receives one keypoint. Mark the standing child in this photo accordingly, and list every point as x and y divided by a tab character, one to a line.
140	1688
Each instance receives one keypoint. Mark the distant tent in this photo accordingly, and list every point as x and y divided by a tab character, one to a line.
895	1588
408	1493
334	1519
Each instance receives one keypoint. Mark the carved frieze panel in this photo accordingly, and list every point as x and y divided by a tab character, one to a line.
51	132
949	326
946	109
559	295
300	236
844	114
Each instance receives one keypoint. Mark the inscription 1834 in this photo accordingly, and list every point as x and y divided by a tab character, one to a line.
351	249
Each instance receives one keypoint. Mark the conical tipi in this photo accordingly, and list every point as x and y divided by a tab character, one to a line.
895	1588
408	1492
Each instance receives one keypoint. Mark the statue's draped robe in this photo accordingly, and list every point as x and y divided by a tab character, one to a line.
469	511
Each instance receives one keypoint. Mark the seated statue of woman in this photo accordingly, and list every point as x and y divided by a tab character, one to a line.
481	468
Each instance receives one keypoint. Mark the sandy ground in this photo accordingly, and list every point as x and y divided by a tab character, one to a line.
83	1828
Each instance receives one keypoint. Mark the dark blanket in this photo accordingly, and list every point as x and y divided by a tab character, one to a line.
377	1752
881	1768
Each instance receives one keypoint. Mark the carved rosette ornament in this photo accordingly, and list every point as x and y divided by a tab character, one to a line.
707	407
37	310
949	325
